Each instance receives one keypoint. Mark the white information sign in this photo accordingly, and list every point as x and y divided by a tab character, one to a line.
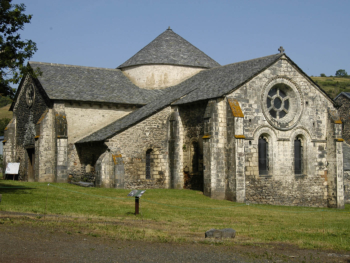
12	168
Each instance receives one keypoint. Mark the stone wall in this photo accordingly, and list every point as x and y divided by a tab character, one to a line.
344	116
347	187
9	144
214	149
231	185
176	172
86	118
281	186
132	144
45	147
346	166
159	76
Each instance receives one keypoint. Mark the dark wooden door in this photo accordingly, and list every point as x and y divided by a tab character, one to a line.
31	165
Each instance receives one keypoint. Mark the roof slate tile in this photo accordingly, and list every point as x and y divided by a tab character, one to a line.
170	48
66	82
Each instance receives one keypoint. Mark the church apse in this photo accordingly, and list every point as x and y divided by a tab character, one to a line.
159	76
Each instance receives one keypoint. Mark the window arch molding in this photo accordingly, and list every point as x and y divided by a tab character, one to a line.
269	136
150	153
302	135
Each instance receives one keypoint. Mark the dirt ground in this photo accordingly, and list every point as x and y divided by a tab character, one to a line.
28	243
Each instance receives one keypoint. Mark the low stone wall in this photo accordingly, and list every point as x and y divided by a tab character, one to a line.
300	192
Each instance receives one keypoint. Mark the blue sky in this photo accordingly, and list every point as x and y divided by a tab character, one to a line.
105	33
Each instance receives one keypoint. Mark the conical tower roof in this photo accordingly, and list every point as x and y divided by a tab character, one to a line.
171	49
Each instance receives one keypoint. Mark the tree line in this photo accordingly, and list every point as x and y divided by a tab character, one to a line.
340	73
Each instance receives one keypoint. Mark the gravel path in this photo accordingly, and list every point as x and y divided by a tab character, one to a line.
33	245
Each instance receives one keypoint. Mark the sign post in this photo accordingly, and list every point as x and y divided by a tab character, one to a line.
137	205
137	194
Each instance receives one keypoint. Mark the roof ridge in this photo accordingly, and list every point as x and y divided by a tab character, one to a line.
249	60
347	94
72	66
143	48
193	45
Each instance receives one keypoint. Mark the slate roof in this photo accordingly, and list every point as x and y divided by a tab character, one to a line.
207	84
170	48
67	82
346	157
346	94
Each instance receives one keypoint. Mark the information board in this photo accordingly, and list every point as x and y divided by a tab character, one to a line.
12	168
136	193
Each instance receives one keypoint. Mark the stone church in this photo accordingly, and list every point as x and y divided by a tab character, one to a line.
257	131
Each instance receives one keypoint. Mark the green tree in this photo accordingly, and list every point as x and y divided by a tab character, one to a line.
13	51
323	75
341	73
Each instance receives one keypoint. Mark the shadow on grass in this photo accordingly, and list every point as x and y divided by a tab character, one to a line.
130	213
13	189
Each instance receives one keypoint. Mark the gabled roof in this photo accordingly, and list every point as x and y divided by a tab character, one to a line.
67	82
346	94
169	48
207	84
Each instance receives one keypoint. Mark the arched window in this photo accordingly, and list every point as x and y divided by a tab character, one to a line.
298	156
263	156
148	164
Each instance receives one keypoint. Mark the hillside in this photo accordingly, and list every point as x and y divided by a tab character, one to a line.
5	113
333	85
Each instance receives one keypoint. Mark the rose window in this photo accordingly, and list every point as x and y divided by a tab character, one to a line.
282	103
277	103
30	95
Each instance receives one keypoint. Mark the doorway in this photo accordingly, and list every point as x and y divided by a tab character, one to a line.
31	165
193	172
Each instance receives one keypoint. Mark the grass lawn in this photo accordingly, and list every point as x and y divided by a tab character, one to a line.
173	215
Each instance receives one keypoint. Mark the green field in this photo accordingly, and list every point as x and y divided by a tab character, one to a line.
172	216
5	113
332	85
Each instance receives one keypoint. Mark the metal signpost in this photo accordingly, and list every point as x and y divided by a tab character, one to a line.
137	194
